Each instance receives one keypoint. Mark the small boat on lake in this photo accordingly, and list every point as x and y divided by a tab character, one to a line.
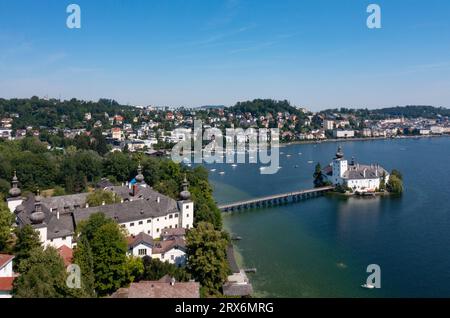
368	286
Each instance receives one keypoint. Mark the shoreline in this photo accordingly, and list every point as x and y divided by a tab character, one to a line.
300	142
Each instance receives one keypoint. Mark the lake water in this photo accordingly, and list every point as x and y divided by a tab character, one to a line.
322	247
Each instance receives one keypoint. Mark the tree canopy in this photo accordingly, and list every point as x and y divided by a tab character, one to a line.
43	275
207	259
6	221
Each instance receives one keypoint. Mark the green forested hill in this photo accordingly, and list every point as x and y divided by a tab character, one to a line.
49	113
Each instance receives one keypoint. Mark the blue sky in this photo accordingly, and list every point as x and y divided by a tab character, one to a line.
315	53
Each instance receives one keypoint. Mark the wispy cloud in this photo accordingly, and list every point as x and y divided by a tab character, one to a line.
255	47
221	38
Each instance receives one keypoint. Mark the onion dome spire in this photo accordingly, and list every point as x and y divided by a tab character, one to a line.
185	194
15	191
140	177
37	217
339	153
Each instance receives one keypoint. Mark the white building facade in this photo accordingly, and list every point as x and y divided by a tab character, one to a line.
355	176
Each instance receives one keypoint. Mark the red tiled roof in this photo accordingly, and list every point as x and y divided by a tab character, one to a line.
165	246
6	283
142	237
157	289
5	259
66	254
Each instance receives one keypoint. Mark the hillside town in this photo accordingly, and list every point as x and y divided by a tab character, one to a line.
151	129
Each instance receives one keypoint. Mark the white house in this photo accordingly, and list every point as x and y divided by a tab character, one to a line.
328	124
171	248
337	133
358	177
6	275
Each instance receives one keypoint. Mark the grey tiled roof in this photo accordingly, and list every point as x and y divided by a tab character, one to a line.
131	210
65	201
144	205
364	172
55	227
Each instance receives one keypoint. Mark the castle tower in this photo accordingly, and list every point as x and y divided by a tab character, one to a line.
186	206
14	199
340	166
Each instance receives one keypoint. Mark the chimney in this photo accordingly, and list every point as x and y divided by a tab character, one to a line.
57	214
172	281
158	199
103	203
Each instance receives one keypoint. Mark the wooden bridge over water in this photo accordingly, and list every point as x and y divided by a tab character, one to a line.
276	199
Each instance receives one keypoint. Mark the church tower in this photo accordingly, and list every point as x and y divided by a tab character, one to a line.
14	199
340	166
186	206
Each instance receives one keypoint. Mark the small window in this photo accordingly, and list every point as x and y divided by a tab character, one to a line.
187	207
131	224
63	238
187	215
157	230
149	221
176	225
162	256
172	257
122	225
171	216
170	227
142	251
140	222
157	220
176	215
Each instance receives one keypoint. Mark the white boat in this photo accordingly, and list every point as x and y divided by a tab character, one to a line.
221	172
288	155
234	165
310	161
368	286
213	170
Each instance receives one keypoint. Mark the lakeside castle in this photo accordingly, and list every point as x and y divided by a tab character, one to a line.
145	213
356	176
